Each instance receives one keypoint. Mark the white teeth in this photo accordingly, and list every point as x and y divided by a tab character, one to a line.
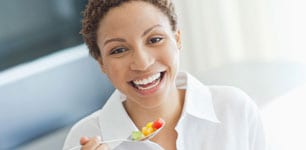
147	80
149	87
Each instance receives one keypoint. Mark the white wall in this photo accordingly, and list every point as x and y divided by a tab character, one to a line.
218	32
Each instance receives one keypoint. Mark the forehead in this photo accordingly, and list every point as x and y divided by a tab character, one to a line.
131	16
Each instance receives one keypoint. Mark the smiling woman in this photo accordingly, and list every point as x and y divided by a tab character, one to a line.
137	44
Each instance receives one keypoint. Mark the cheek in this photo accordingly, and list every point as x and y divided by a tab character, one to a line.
171	57
115	71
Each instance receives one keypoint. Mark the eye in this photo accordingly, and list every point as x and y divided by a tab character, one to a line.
155	40
117	50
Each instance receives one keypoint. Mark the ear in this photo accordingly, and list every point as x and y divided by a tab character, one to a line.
102	67
178	39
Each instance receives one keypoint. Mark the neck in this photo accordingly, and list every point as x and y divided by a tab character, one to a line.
170	110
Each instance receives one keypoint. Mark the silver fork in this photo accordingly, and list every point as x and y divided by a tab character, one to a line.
129	139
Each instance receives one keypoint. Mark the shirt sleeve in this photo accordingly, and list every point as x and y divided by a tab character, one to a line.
88	126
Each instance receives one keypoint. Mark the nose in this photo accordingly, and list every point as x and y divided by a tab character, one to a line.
142	59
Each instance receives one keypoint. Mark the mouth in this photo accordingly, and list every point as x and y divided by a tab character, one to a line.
149	83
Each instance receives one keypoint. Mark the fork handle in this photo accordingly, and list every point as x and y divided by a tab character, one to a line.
102	142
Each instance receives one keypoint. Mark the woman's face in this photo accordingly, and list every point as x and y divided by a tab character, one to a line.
139	52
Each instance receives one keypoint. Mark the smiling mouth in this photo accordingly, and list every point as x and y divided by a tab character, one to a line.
148	83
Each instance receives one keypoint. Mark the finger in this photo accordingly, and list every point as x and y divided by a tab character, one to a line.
84	140
92	144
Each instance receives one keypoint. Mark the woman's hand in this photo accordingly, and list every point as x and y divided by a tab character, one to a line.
93	143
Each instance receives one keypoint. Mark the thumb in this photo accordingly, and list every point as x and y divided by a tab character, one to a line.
84	140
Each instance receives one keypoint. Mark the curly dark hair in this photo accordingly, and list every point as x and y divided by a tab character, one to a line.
96	9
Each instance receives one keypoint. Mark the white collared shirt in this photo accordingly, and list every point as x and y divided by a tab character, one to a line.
213	118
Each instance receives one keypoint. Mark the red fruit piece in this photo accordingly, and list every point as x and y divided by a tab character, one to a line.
158	123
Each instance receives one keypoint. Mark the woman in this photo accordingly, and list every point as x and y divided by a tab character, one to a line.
137	45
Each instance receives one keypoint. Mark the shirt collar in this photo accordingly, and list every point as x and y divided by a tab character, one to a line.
198	99
115	122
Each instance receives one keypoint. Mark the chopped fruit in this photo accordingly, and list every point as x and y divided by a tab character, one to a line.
147	130
137	135
149	124
150	128
158	123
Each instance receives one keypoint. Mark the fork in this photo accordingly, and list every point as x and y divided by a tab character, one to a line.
129	139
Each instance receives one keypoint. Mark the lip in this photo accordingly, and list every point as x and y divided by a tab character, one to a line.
151	90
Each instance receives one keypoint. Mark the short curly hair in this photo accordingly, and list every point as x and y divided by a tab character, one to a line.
95	10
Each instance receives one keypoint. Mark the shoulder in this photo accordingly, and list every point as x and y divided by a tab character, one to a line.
229	95
88	126
232	102
238	114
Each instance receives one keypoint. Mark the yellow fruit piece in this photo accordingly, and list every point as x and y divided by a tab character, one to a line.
149	124
147	130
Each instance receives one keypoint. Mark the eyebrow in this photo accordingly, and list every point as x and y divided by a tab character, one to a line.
123	40
150	29
114	40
